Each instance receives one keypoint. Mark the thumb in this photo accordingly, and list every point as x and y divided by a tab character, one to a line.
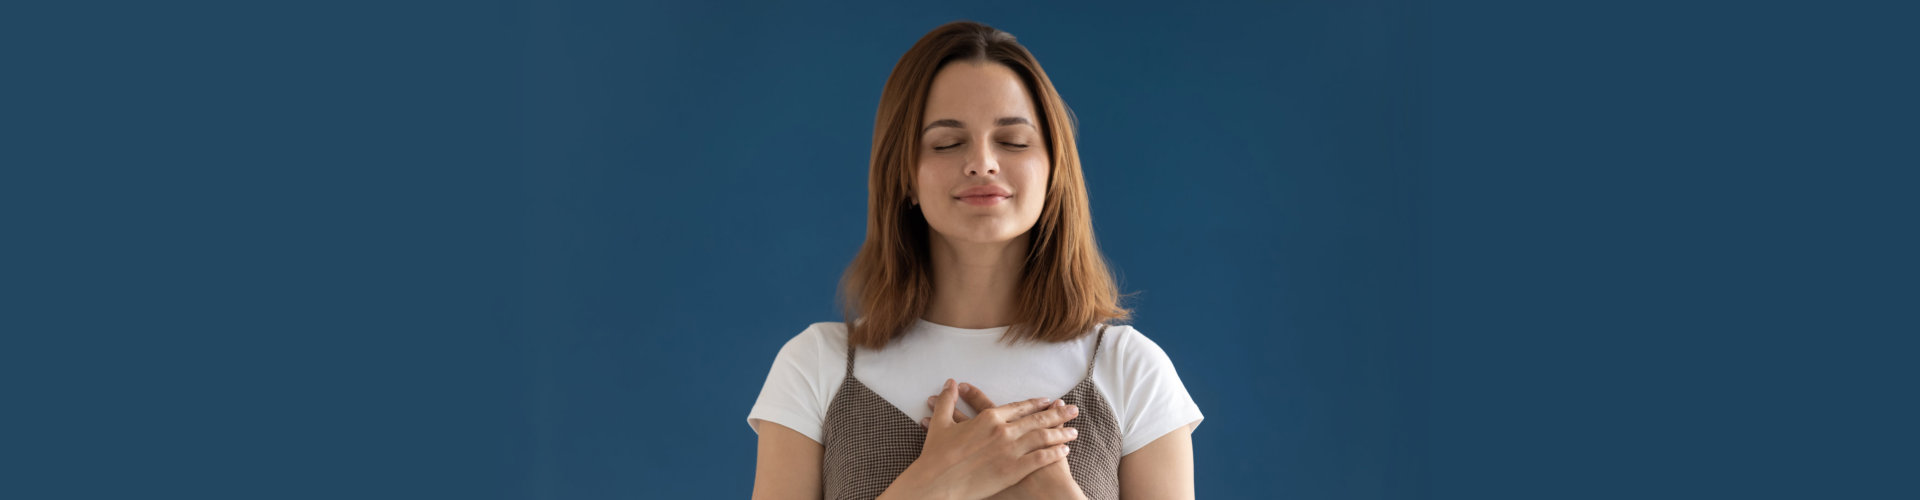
943	405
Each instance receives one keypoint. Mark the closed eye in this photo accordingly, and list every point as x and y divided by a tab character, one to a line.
955	145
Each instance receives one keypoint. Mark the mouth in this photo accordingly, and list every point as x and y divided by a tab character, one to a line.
982	200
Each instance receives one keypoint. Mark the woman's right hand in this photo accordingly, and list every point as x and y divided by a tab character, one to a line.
987	453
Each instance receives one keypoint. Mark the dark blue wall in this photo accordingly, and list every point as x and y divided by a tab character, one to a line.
548	249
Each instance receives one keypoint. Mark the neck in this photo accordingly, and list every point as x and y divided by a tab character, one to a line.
974	283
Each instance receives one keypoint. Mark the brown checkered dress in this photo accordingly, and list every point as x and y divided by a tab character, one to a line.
869	442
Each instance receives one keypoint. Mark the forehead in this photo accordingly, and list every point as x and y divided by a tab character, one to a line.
977	93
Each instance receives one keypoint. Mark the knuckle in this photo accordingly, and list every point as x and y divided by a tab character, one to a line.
1031	441
1036	460
1009	432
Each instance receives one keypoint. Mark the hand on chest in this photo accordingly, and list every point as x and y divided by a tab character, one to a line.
914	367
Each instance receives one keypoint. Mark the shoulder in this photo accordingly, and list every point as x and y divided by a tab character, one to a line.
816	341
824	332
1128	347
802	380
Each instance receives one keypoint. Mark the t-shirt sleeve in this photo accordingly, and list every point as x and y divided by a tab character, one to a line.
1156	401
790	396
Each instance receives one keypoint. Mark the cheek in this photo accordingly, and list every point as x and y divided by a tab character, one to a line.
928	179
1032	177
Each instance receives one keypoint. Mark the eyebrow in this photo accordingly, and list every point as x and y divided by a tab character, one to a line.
1002	122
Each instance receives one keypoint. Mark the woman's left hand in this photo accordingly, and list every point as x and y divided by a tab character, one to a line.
1053	481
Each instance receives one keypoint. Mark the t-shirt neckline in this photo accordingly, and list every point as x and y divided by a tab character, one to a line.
937	328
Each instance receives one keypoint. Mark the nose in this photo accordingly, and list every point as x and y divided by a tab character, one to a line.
987	164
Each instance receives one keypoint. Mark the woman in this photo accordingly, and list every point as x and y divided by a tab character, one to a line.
979	282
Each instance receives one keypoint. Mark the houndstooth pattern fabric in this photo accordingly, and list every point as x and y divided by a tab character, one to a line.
869	442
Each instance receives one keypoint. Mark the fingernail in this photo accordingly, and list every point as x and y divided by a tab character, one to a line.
966	387
1072	432
1046	402
1057	403
948	386
1064	449
1073	410
923	421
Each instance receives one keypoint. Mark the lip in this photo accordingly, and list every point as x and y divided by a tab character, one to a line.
987	190
982	201
983	195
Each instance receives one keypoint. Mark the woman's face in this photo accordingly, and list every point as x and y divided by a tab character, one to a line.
980	132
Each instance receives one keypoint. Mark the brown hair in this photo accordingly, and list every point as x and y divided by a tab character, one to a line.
1065	287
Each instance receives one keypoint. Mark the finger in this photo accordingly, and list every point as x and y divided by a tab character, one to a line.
1056	404
1014	411
1041	420
975	398
1047	437
958	416
1034	460
943	406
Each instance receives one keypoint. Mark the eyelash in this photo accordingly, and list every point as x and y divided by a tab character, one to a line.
951	146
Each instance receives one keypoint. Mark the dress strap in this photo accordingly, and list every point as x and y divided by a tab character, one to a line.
1100	336
850	348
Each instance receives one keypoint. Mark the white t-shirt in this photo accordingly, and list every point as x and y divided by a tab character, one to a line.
1133	374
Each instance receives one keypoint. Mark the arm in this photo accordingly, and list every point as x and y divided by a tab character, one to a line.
1161	469
789	465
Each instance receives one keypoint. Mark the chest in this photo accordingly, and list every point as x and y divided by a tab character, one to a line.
869	443
906	377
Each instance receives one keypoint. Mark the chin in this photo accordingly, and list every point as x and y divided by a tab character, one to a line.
977	236
991	236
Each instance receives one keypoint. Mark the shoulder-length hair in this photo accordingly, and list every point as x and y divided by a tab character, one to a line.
1065	288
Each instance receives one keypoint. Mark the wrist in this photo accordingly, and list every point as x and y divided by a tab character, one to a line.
913	485
1062	479
1072	489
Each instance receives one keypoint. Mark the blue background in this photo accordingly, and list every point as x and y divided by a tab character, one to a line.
1396	249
